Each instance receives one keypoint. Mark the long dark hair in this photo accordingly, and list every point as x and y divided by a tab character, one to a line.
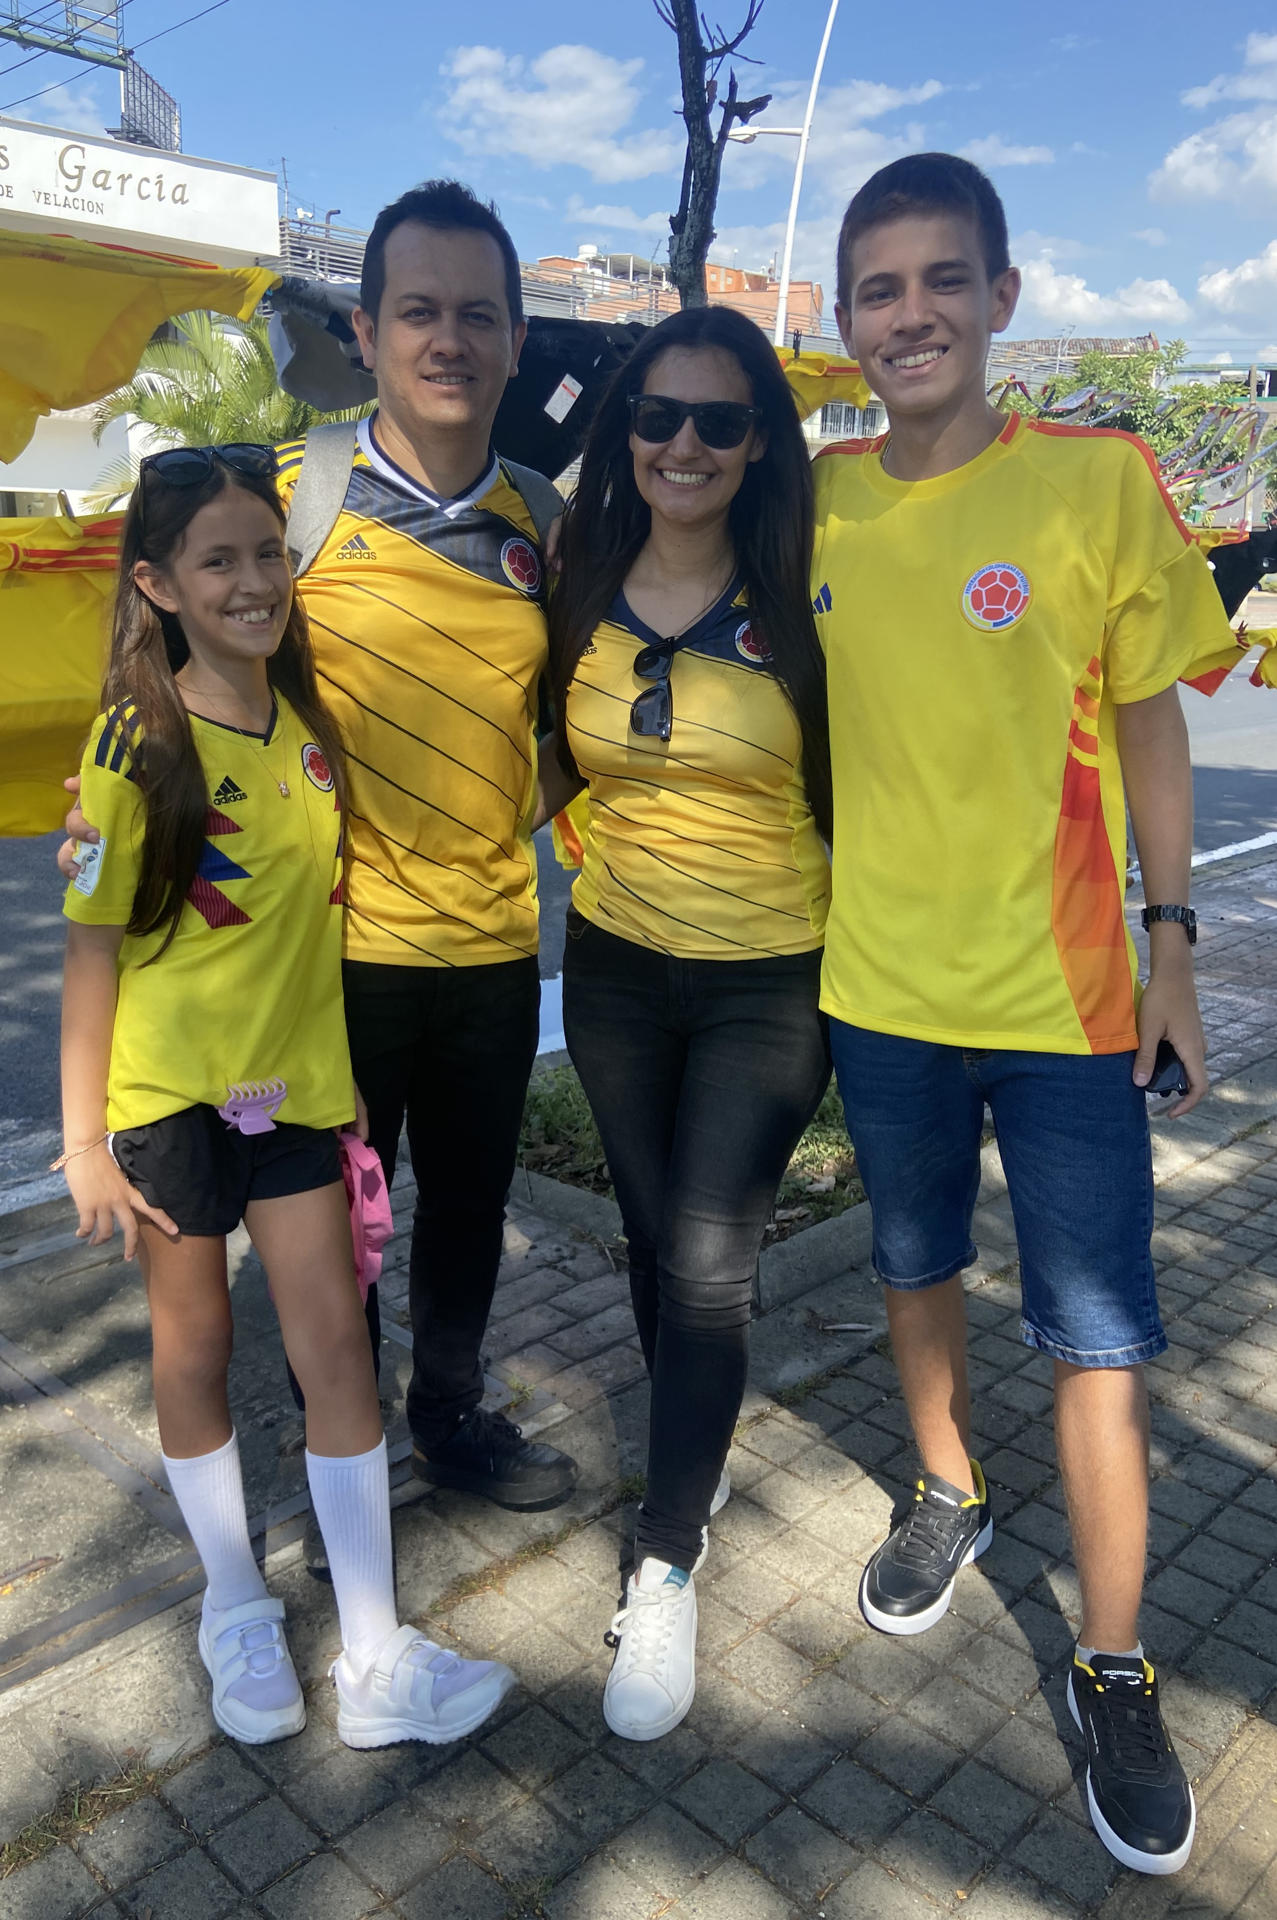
148	648
771	521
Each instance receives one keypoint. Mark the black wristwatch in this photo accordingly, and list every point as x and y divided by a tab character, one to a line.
1185	915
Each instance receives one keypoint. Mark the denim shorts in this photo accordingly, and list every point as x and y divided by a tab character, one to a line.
1073	1133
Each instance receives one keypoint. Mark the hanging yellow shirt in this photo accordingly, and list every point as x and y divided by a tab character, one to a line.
429	641
981	628
250	987
704	845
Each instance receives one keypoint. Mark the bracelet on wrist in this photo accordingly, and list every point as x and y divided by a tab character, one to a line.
56	1166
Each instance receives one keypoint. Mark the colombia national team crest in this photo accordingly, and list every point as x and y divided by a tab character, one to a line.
521	564
996	596
750	648
316	768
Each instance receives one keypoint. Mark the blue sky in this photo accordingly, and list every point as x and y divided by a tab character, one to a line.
1136	150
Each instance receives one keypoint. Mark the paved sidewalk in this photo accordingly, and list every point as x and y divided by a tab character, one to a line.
824	1770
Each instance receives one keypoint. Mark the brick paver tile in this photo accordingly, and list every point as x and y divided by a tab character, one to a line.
658	1764
799	1855
872	1890
458	1891
767	1667
956	1712
398	1846
58	1887
1067	1858
1008	1894
842	1712
339	1793
785	1751
213	1789
934	1855
596	1797
664	1850
733	1892
189	1886
985	1804
261	1844
1030	1756
529	1843
726	1799
855	1803
911	1757
127	1844
598	1891
533	1747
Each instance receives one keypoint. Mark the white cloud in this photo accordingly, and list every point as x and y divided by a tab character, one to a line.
845	148
617	219
1151	236
1250	287
994	151
568	107
1058	299
74	106
1234	156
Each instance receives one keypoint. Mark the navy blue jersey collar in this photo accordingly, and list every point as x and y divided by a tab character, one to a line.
622	614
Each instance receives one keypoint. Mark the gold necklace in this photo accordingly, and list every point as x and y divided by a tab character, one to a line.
246	733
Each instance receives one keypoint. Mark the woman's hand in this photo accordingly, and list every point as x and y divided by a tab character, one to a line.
78	828
105	1200
360	1128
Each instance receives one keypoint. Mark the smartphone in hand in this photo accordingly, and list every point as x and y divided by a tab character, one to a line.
1169	1076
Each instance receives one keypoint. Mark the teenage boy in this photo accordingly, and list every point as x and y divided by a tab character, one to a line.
430	643
1007	607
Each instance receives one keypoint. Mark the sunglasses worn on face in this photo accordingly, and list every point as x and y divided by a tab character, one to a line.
652	714
720	424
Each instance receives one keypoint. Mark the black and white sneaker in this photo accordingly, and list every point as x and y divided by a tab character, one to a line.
487	1454
1140	1800
908	1584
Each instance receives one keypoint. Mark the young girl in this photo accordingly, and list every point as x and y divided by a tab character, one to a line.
204	1070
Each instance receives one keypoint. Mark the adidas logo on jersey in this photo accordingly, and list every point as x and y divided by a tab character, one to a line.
824	600
228	793
356	548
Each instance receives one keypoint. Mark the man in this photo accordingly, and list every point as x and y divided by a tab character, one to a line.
1007	608
430	643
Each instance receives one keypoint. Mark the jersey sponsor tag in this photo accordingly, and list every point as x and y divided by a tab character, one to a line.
316	768
521	564
563	399
996	596
90	857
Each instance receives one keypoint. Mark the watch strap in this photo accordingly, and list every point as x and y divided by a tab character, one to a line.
1185	916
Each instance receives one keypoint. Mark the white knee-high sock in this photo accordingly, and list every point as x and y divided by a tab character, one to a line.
210	1492
351	1498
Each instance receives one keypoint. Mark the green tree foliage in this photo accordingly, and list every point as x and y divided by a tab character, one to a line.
204	381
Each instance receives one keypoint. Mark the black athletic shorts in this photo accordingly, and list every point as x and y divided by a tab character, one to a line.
204	1173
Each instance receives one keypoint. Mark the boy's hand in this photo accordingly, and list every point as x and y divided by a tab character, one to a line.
78	828
1168	1011
360	1128
105	1200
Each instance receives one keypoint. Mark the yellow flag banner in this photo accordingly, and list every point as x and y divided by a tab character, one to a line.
57	578
76	314
817	378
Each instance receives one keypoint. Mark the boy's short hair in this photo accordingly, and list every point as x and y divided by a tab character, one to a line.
448	205
926	183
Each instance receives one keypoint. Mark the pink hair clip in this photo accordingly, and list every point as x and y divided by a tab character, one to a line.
251	1106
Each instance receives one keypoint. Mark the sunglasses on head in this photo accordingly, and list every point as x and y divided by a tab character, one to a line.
187	466
652	714
720	424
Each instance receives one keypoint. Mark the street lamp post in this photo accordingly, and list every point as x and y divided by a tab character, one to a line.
782	298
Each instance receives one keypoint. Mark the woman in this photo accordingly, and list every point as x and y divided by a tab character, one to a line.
691	691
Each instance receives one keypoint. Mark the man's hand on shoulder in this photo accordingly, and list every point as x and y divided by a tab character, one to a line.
77	828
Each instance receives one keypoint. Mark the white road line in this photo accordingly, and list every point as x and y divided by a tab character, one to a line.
1238	846
552	1016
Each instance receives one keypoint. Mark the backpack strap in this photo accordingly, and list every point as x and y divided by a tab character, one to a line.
320	492
540	496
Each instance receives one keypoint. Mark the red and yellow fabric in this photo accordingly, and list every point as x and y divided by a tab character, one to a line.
76	314
57	580
982	628
817	378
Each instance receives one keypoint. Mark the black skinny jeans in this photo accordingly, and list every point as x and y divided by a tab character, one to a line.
702	1075
450	1049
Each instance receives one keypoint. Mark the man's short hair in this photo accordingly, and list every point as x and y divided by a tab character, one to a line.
926	183
450	206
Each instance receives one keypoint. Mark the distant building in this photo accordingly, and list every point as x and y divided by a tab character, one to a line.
1037	361
624	286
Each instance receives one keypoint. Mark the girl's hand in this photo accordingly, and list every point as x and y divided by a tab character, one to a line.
105	1200
360	1128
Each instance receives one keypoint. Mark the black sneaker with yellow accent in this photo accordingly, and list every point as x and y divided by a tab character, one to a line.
1141	1803
908	1584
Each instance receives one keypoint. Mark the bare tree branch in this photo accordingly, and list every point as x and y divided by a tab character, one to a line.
702	51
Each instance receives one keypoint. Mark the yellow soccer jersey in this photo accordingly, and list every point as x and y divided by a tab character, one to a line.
429	640
981	629
250	988
703	846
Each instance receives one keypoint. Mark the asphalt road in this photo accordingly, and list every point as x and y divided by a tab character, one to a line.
1234	738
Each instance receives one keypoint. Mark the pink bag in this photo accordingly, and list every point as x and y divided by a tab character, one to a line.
370	1221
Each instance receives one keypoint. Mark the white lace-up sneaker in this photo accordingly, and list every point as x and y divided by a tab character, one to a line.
415	1690
722	1494
653	1679
256	1695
